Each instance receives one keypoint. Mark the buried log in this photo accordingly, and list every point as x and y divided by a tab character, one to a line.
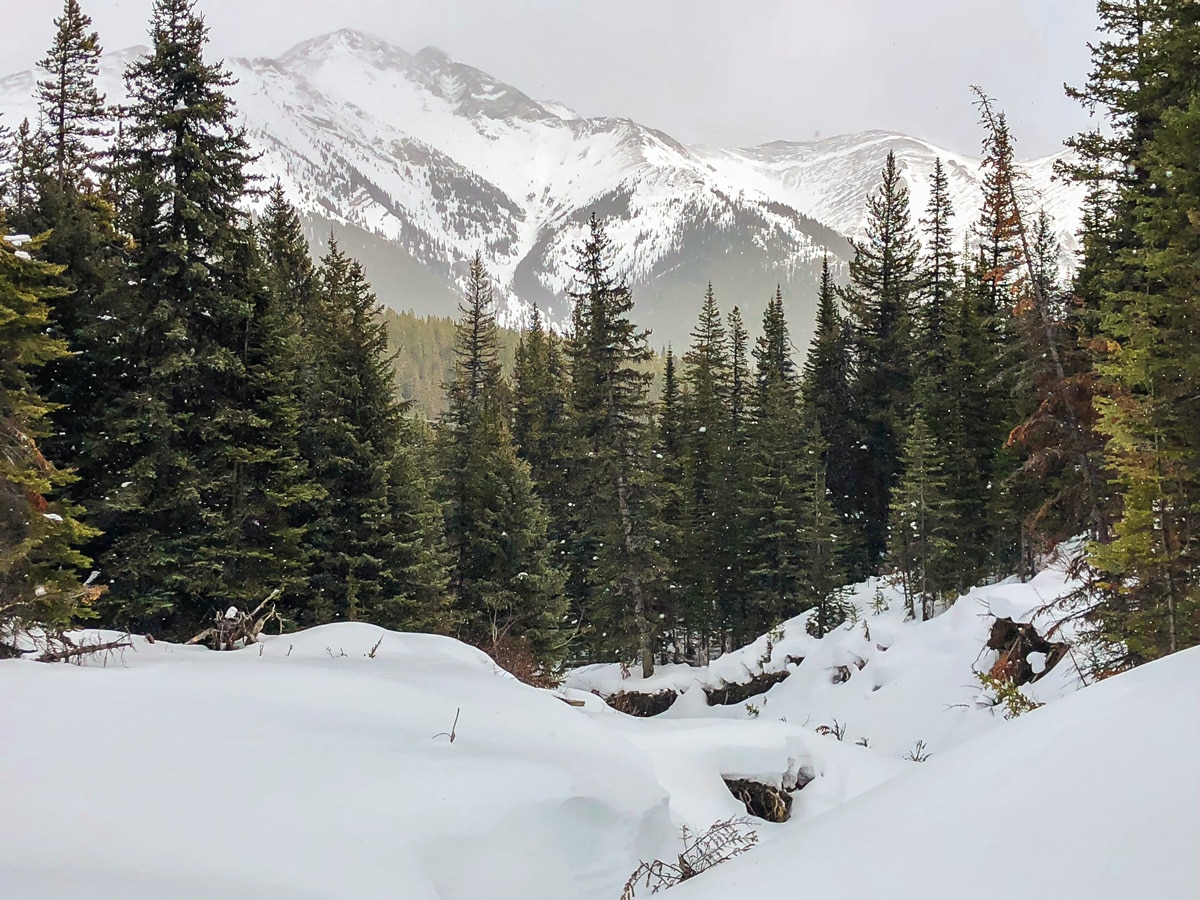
1015	641
731	694
634	703
762	800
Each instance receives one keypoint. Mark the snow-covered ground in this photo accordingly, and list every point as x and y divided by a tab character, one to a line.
319	764
1096	797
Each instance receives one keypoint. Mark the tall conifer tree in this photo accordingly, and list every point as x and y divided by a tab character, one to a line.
611	416
706	427
773	505
201	466
40	534
69	102
826	391
880	303
501	578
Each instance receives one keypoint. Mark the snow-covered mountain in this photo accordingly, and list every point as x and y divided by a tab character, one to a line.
419	161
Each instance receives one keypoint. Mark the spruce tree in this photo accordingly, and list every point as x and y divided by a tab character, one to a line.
7	151
540	404
826	392
736	483
352	449
673	503
1144	77
822	537
541	429
40	533
70	104
922	523
880	304
1061	474
611	472
201	467
501	578
413	593
773	506
706	423
936	276
28	174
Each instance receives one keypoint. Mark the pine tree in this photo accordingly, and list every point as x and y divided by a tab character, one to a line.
201	467
30	166
40	534
501	578
611	416
737	482
1145	78
70	104
1061	471
351	448
825	389
879	302
937	275
773	505
705	425
822	537
673	504
922	522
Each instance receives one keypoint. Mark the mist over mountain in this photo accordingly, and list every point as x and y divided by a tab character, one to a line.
417	161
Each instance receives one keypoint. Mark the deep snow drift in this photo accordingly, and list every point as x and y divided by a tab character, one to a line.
318	765
1097	797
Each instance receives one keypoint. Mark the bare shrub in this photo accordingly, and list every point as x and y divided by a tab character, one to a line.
720	843
513	655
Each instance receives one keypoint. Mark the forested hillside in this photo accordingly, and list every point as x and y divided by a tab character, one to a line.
201	415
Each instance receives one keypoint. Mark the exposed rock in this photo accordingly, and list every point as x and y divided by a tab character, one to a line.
1015	641
762	800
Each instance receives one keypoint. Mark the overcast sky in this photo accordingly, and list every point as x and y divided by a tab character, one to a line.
721	72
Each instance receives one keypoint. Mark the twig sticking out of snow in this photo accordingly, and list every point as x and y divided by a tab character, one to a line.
452	733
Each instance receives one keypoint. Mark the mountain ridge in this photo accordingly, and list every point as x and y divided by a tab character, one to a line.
439	160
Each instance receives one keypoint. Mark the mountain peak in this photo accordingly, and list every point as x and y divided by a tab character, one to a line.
435	55
345	42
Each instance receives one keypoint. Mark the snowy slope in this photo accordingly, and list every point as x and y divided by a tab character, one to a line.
828	179
317	764
904	681
437	160
1097	796
177	772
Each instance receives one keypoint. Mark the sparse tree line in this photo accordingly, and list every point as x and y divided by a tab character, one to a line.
193	406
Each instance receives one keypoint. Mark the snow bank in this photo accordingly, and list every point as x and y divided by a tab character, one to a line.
319	764
889	682
309	771
1096	796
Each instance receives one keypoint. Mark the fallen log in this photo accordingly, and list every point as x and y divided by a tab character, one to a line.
1014	641
70	651
732	694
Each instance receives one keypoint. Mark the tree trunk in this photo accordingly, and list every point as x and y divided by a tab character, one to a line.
645	651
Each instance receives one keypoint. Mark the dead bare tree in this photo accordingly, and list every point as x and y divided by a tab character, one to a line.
234	628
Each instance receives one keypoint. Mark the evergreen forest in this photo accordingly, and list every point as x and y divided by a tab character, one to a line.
199	418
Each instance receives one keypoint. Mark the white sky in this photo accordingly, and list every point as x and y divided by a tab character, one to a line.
722	72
